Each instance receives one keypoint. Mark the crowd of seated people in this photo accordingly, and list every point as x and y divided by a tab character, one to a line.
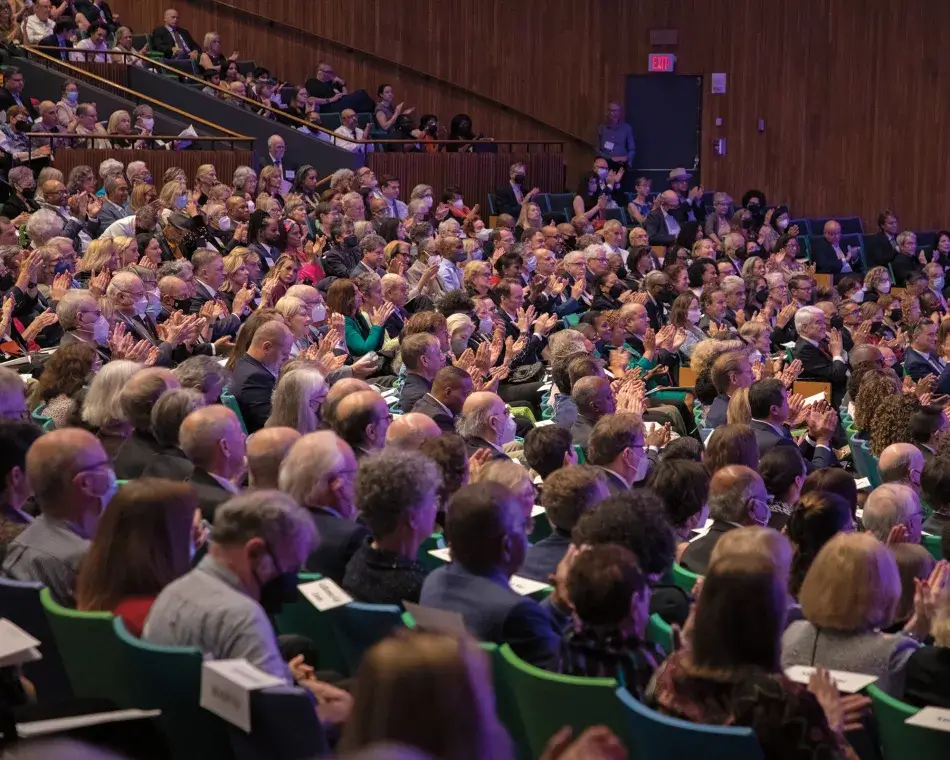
327	378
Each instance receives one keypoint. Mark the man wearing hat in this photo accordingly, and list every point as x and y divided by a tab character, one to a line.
691	202
180	233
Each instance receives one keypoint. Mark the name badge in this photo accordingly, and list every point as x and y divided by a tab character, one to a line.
847	682
226	687
608	145
324	594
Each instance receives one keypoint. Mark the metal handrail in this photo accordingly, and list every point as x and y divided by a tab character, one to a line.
257	105
35	50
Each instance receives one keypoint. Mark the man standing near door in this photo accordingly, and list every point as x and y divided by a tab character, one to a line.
615	141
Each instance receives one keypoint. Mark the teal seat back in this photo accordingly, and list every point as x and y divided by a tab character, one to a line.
359	626
506	704
932	545
41	419
660	737
92	655
231	403
169	679
660	633
870	463
858	457
548	701
581	457
303	618
900	741
684	579
433	542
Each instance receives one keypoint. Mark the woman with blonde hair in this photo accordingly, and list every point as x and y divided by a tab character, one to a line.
269	182
461	328
451	675
738	412
126	251
476	278
206	177
851	593
296	316
101	413
173	196
141	195
211	58
529	218
236	275
396	250
102	253
514	477
120	123
298	399
877	282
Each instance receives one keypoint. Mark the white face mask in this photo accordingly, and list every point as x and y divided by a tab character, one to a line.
643	467
427	200
755	355
141	306
224	223
694	316
318	313
251	207
458	203
148	123
858	296
483	234
100	331
531	263
508	434
601	173
938	283
782	223
154	307
486	326
884	287
434	261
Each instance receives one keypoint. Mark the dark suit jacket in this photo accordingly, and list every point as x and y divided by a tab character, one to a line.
697	554
493	612
135	455
904	267
717	411
543	558
818	366
581	430
339	262
655	225
413	389
6	100
927	678
614	484
878	250
767	439
918	366
474	444
13	207
171	465
943	384
53	41
532	353
211	494
506	202
252	385
826	260
428	406
339	540
163	41
656	316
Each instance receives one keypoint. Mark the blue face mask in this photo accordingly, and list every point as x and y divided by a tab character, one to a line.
61	266
181	201
72	98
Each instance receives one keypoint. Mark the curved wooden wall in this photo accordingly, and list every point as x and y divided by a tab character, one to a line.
853	93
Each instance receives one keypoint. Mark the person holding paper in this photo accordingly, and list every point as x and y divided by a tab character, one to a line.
259	542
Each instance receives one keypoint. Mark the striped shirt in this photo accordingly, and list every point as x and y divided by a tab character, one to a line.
49	552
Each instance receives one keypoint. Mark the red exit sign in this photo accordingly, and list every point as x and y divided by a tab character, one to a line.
663	62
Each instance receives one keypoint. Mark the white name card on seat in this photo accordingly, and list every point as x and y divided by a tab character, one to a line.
861	483
931	717
526	586
324	594
443	554
847	683
543	423
16	645
436	620
537	510
226	687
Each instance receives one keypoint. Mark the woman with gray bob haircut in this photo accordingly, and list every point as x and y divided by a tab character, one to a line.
297	400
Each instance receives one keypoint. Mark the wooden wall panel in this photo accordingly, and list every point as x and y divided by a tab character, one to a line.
854	93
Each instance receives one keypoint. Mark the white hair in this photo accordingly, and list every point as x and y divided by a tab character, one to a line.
308	464
121	282
593	251
806	316
730	283
44	225
69	306
889	505
272	141
774	279
110	168
290	402
101	405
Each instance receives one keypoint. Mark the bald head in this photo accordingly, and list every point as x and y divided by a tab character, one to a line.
338	391
212	438
866	353
320	471
484	415
902	463
362	419
669	199
266	450
271	345
410	431
593	397
69	470
737	495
